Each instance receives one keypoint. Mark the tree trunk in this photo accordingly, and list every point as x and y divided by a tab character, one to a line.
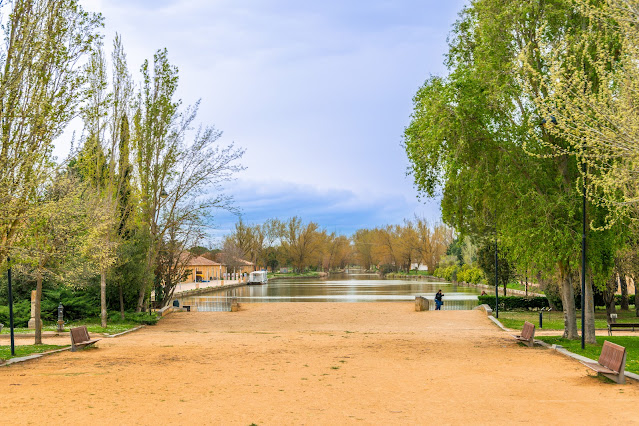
589	313
634	283
568	300
609	298
38	320
505	289
150	259
103	313
625	302
121	302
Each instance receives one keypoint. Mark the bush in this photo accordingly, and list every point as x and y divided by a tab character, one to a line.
135	317
514	303
21	314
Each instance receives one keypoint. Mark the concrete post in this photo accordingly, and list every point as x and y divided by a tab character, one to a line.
421	304
31	323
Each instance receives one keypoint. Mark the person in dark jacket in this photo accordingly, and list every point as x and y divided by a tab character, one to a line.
438	300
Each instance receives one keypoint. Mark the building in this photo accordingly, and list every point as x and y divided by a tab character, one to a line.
201	269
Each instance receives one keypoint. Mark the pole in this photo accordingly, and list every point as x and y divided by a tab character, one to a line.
496	282
13	346
583	259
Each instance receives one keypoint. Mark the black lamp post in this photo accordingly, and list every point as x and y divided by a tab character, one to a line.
583	257
496	283
13	346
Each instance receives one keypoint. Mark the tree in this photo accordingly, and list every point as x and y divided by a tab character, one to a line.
363	243
300	241
486	261
175	177
469	130
51	234
40	88
589	88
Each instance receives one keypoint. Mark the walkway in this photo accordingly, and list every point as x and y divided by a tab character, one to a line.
322	363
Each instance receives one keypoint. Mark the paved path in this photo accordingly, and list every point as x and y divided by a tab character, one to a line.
305	363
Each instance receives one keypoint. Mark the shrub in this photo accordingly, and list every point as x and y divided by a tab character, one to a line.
514	303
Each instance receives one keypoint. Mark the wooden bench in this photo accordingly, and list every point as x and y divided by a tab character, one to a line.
527	334
622	325
611	363
80	338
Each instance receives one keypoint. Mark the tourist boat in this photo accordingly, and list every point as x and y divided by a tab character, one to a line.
257	277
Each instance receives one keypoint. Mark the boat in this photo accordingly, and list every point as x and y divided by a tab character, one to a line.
257	277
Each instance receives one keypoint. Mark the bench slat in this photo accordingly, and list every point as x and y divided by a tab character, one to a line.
80	338
612	356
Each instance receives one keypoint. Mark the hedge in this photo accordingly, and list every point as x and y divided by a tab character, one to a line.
513	303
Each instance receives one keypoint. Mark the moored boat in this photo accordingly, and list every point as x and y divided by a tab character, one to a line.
257	277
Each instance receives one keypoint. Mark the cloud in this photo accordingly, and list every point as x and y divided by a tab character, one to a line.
336	210
318	92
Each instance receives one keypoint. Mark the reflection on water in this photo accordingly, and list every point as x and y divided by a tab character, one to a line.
338	288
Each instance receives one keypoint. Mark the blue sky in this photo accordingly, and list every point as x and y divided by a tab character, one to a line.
317	92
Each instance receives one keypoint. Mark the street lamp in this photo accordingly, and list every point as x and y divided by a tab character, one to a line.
13	346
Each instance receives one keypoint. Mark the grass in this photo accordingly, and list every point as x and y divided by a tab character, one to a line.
24	350
555	320
93	325
631	344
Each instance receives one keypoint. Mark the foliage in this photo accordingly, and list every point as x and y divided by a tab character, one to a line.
476	137
486	261
464	273
512	303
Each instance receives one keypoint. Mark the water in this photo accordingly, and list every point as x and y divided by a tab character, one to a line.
339	288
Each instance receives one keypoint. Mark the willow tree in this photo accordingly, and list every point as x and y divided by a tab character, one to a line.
467	137
40	88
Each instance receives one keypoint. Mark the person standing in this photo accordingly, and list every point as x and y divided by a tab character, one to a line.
438	300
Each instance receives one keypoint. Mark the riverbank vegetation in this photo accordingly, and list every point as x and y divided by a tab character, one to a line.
303	246
533	116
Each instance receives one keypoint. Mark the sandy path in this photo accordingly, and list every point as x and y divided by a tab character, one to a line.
323	363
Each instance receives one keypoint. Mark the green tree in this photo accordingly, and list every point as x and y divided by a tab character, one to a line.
176	178
40	89
468	133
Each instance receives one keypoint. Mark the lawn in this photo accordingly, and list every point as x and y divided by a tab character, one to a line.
631	344
24	350
93	325
555	320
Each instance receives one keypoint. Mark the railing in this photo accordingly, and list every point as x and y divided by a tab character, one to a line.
209	303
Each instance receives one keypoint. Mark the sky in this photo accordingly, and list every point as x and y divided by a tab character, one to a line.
317	92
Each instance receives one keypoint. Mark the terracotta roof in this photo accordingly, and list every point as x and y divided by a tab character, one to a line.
220	256
202	261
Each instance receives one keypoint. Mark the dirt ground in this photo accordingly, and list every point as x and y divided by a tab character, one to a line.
305	363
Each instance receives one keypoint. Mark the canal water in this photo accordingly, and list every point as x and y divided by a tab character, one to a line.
338	288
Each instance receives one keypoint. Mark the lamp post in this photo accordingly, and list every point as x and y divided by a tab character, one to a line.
583	256
13	346
496	282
